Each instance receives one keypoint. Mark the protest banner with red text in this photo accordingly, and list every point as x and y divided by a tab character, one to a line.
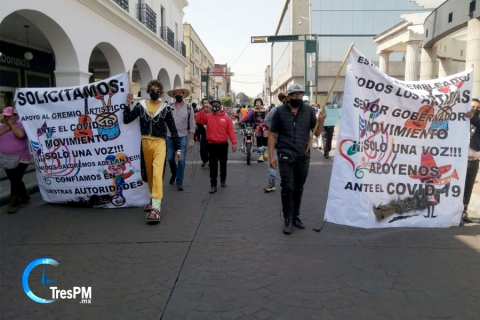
83	152
401	151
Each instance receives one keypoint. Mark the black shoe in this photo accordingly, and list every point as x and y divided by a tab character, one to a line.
172	179
288	228
224	184
326	156
180	187
465	218
212	190
298	223
203	164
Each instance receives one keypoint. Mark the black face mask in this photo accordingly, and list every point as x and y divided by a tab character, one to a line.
178	98
476	112
216	108
296	103
154	95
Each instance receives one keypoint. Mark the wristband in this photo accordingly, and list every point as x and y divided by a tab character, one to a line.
179	151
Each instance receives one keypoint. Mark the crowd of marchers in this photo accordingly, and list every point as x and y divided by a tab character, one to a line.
168	130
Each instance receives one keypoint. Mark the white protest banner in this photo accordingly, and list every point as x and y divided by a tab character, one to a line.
402	150
83	152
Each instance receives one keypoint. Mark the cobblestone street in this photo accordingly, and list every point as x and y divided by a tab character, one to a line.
223	256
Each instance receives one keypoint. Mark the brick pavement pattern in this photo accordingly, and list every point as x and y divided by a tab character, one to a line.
223	256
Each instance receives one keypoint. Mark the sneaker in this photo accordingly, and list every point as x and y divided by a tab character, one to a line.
260	159
223	184
465	218
13	204
212	190
180	187
265	156
154	216
148	207
298	223
288	228
326	156
25	199
172	179
271	186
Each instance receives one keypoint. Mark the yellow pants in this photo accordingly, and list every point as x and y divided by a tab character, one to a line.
154	153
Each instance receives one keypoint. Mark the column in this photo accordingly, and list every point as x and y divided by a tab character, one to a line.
428	61
411	61
69	78
384	61
145	95
445	67
473	53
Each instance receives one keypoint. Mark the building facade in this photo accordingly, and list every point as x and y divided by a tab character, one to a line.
74	42
222	81
444	41
200	60
337	24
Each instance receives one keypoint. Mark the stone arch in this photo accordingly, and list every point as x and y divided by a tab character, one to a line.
105	56
142	73
164	78
177	82
67	66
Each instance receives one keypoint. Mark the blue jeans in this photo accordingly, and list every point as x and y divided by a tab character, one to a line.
272	173
179	171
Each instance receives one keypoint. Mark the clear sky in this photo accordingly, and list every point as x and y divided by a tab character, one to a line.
225	27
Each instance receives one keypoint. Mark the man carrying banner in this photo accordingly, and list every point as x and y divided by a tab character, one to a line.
473	156
292	123
154	119
185	124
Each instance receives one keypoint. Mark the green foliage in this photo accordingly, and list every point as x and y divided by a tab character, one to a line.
226	101
244	99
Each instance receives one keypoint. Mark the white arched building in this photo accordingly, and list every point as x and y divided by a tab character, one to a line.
74	42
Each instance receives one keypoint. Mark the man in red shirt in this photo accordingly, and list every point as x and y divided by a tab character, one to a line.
219	130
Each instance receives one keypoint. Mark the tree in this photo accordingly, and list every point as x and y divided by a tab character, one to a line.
244	99
226	101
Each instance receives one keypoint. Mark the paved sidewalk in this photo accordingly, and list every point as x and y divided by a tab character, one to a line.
223	256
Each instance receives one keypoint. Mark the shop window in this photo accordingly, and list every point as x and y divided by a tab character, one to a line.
37	79
450	17
10	77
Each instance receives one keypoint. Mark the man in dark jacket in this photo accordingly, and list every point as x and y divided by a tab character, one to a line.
473	156
292	124
155	116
